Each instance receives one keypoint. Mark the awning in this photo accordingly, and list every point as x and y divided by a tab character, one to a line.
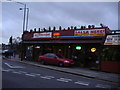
66	41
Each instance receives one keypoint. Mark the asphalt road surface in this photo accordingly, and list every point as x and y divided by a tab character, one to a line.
19	75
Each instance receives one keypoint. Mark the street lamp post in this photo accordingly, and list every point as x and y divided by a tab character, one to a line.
24	18
27	18
24	23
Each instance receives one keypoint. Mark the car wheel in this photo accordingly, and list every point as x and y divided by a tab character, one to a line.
43	62
61	64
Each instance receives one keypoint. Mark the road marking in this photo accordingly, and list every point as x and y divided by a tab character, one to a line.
114	83
102	86
35	74
47	77
7	70
64	79
30	75
13	66
8	65
22	72
82	83
18	67
50	76
17	72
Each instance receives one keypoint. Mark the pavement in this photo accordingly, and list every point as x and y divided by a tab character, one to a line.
105	76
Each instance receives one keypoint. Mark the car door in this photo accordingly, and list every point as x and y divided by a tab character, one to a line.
49	58
54	59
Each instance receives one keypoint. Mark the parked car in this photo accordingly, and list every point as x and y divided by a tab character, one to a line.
4	51
52	58
7	53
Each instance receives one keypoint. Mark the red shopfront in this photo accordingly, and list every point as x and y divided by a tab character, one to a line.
71	42
110	59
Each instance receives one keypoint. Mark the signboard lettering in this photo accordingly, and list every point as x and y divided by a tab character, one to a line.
42	35
99	32
112	40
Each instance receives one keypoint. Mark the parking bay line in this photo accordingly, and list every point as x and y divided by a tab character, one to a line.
36	74
102	86
47	77
30	75
10	66
17	72
22	71
64	79
82	83
7	70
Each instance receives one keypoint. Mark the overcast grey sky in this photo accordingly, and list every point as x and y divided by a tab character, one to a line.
65	14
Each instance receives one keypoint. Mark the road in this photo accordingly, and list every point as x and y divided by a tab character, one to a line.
19	75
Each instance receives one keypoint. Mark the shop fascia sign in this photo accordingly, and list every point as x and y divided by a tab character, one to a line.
112	40
42	35
85	33
56	35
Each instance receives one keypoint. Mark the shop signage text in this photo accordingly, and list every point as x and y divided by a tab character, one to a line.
42	35
112	40
100	32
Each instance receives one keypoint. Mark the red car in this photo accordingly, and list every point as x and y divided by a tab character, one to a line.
51	58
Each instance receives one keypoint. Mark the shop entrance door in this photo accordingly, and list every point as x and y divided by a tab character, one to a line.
59	49
90	58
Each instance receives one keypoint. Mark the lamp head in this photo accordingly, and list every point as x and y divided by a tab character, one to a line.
20	8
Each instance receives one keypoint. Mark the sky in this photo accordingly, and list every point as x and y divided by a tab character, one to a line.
65	14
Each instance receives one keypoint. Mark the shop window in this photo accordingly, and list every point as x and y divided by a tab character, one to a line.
29	51
110	54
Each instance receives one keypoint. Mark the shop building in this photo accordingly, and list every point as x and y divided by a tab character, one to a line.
84	43
110	57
